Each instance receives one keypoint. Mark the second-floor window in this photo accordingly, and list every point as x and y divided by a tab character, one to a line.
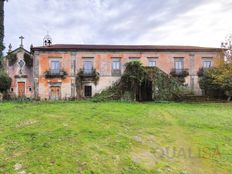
55	66
116	66
151	62
179	64
88	66
206	64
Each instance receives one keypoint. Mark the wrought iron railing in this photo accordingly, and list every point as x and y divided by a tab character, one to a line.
55	73
179	72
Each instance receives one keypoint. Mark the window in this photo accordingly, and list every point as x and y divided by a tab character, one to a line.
21	63
88	66
116	66
151	62
179	64
30	89
88	91
55	67
12	89
206	64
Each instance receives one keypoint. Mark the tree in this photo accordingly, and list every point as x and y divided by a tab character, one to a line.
218	78
1	32
5	81
223	78
227	45
1	27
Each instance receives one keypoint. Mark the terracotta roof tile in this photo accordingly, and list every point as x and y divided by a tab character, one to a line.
62	47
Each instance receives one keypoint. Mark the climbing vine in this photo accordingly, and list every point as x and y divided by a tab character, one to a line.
83	77
93	76
28	60
12	58
135	80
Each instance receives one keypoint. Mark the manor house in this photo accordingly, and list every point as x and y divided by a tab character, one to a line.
63	71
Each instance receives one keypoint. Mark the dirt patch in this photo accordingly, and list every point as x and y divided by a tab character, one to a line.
18	166
25	123
144	158
148	140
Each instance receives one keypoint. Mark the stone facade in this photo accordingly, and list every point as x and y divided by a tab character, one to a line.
73	58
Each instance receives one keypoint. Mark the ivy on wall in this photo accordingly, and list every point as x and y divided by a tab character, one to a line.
93	76
28	60
12	58
135	80
83	77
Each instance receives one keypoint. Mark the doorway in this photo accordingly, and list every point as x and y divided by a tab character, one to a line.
21	89
145	91
88	91
55	92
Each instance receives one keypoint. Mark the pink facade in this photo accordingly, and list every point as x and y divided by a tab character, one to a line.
20	73
105	59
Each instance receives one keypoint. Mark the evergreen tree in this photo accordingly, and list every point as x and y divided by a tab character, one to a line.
1	26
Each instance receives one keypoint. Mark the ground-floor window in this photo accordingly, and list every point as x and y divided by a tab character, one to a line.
30	89
88	91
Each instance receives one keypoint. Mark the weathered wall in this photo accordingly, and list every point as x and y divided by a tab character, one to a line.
45	83
102	61
27	76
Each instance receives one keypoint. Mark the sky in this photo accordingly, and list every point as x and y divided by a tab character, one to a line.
141	22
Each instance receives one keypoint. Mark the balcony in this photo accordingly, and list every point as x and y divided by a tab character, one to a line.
88	75
55	73
179	72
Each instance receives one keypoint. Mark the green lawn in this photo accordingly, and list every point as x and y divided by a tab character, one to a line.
115	137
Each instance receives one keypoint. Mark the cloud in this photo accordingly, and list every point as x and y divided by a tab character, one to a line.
189	22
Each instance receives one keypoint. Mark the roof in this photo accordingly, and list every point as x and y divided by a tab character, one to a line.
75	47
19	49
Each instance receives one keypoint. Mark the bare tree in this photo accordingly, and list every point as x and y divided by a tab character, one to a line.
227	45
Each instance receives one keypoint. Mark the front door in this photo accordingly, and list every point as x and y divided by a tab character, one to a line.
88	91
21	89
55	93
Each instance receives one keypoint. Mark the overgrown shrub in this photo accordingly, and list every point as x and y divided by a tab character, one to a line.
111	93
28	60
5	81
216	80
132	78
130	86
12	58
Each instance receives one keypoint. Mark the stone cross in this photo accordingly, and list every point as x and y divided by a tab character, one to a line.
21	38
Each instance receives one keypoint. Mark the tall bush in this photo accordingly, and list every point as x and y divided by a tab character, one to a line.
133	77
5	81
218	79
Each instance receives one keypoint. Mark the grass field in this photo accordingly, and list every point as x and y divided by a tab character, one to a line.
114	137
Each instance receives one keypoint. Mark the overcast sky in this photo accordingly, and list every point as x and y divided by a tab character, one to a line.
169	22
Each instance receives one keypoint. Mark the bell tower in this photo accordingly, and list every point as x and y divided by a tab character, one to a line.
47	40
